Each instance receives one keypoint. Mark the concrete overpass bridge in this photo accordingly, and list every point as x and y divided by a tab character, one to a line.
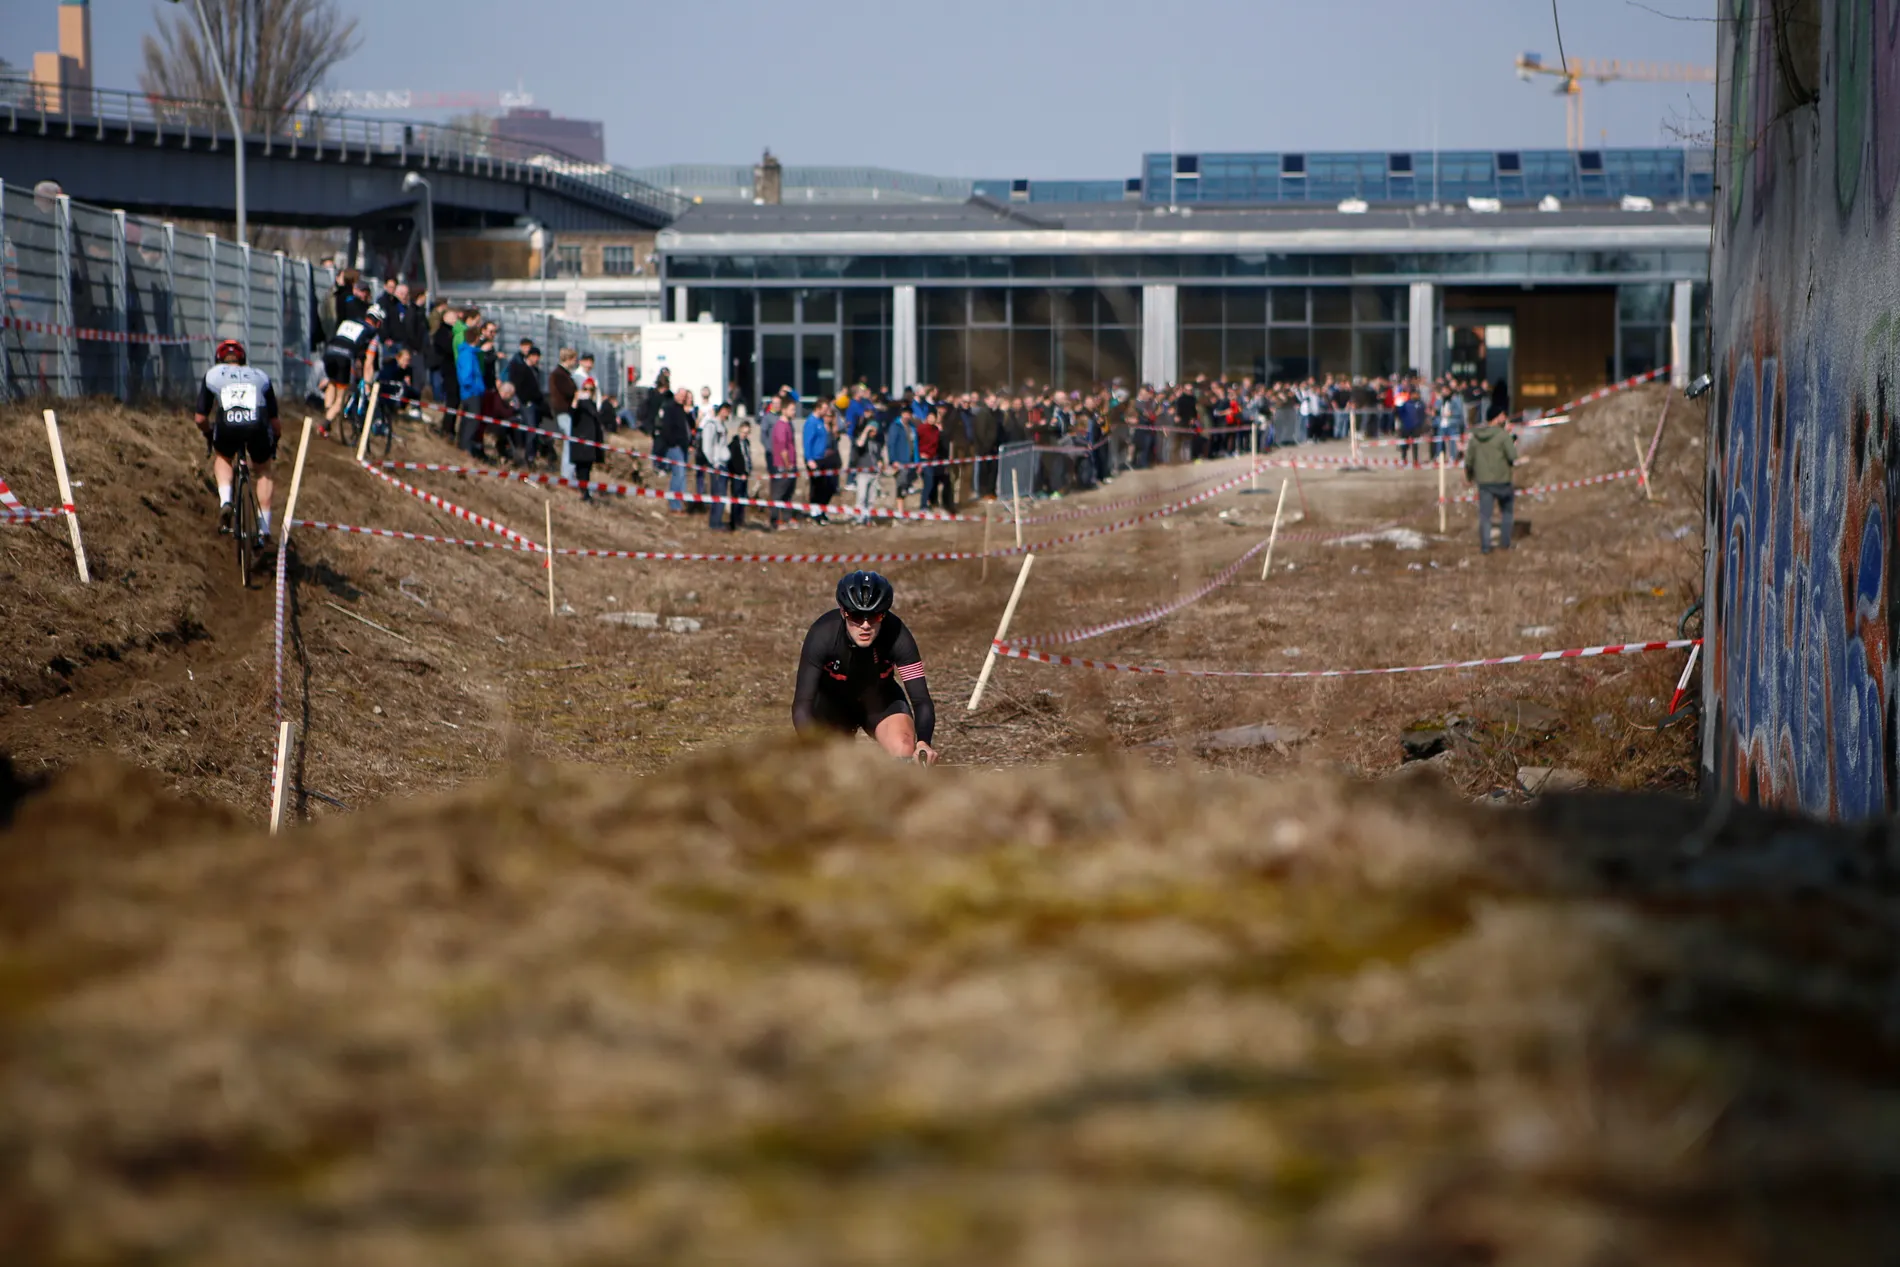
173	159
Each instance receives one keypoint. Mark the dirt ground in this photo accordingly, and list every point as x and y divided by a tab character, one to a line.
1093	994
166	661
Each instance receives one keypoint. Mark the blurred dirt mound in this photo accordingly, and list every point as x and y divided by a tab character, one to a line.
794	1005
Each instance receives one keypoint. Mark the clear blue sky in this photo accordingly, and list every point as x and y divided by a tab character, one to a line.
1006	88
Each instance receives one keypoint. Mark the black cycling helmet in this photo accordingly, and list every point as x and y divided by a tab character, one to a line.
865	594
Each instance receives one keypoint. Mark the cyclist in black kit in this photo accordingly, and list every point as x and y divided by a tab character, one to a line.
860	670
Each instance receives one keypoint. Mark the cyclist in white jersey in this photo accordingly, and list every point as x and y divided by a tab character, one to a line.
237	411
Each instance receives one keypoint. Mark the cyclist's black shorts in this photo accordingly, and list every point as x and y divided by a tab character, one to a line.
337	367
257	441
847	714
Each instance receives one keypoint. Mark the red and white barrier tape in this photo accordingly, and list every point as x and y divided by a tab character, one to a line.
920	556
1083	512
1555	419
1147	617
415	536
655	494
941	556
99	336
1635	380
32	514
1017	651
13	510
1537	489
1682	683
480	521
277	662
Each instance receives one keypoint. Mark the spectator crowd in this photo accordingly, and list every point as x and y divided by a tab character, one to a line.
850	454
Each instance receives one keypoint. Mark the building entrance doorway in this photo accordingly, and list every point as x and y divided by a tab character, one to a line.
798	334
1478	346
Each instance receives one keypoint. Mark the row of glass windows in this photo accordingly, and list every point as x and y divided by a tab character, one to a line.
976	358
1289	355
1686	265
1060	306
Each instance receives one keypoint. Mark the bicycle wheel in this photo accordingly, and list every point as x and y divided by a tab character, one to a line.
244	497
383	435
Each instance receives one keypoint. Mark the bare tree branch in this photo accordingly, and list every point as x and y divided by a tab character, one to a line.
275	51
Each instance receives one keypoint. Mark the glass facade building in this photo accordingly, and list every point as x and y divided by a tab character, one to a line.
983	295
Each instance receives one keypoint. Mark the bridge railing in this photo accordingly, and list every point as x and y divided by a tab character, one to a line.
101	302
105	113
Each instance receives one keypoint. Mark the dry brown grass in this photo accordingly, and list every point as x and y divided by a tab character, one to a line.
795	1006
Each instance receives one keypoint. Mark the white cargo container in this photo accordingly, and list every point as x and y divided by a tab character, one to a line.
695	351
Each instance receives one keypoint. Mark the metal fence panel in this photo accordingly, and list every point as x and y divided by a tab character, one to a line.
192	297
32	276
264	342
96	303
149	311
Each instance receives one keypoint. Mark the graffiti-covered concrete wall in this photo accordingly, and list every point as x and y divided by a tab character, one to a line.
1799	680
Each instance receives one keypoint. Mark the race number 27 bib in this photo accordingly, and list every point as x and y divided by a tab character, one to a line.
239	402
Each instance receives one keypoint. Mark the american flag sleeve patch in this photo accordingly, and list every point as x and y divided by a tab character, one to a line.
910	672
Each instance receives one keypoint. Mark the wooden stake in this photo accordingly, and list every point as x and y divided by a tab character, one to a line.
989	508
1642	468
66	496
989	661
1016	489
1352	426
1253	484
1274	535
296	482
278	775
550	518
1441	491
369	420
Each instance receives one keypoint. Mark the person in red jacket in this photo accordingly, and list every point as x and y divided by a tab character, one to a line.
929	445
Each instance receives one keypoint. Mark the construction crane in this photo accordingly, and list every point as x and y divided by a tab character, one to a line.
340	100
1604	71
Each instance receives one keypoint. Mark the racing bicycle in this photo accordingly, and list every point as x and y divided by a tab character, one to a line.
350	422
244	516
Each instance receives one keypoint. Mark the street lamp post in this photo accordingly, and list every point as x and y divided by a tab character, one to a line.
540	240
410	183
230	108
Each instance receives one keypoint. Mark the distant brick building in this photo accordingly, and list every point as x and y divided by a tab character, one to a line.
585	139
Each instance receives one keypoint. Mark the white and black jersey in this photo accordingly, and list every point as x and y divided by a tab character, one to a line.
236	397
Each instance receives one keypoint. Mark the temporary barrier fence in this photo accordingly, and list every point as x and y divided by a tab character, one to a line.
102	302
657	494
413	536
1147	617
1538	489
1018	651
1102	508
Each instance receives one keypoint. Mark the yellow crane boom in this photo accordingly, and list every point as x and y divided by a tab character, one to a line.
1604	70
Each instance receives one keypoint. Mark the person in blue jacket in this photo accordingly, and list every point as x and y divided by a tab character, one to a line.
468	377
821	456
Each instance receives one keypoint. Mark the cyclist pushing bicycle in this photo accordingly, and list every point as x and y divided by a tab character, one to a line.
860	670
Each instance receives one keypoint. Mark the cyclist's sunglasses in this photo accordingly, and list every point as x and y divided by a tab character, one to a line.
863	622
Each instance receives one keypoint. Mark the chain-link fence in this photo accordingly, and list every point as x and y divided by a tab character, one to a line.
102	303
